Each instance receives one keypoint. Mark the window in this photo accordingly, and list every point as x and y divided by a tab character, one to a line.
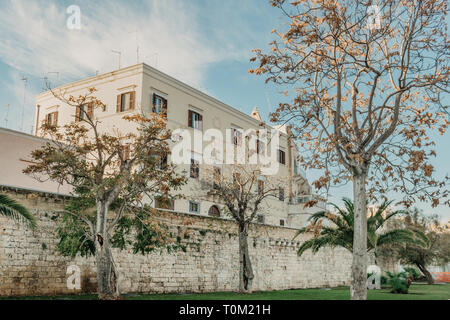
195	120
125	101
281	194
195	169
214	211
260	218
295	167
52	119
260	147
217	178
125	153
194	207
282	222
281	157
260	187
159	104
164	203
236	135
163	162
84	111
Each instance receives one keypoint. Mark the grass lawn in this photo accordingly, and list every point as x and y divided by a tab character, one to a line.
416	292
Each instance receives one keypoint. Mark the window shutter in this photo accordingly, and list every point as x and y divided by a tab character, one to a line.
154	103
119	102
77	114
164	107
200	118
90	110
190	119
56	118
132	98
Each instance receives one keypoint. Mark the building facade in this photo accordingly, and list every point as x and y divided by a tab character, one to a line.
143	89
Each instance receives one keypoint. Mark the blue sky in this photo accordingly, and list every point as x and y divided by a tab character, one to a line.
205	43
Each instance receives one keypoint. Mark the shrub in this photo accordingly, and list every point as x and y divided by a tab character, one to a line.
399	282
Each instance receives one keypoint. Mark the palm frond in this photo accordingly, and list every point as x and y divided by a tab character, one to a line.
15	211
396	236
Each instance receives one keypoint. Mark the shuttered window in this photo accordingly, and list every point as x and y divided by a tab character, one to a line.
236	136
125	153
52	119
195	120
217	178
195	169
84	111
125	101
281	157
159	104
194	207
260	187
260	147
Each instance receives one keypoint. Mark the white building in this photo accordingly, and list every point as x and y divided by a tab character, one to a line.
143	89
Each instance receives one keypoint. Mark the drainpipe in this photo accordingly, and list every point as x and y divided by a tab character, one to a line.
290	146
37	119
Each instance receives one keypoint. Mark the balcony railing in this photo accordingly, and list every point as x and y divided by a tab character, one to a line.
321	203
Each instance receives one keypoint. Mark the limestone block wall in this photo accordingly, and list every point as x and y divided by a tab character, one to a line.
30	265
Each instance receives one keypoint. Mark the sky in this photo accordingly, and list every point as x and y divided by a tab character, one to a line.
204	43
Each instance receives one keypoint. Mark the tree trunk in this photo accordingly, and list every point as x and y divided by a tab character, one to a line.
245	267
107	276
358	289
426	273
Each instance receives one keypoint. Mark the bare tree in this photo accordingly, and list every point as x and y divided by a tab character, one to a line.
366	81
243	191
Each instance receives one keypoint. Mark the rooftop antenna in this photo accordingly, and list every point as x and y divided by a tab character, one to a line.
118	53
269	104
24	79
46	83
7	115
57	75
137	45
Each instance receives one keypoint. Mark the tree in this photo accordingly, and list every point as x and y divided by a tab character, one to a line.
336	229
108	172
366	83
12	209
242	190
436	251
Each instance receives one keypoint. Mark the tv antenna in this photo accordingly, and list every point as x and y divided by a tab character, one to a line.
57	74
25	80
46	83
137	45
119	54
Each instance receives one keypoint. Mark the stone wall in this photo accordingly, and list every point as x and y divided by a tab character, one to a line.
30	265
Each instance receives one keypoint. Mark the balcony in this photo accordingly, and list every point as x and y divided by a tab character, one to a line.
299	201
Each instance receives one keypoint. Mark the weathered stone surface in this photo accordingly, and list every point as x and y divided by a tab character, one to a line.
30	265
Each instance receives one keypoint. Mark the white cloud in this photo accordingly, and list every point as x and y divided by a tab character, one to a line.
35	38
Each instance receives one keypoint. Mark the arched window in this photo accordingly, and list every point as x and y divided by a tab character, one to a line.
214	211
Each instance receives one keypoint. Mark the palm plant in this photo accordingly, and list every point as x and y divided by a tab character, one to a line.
338	229
14	210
